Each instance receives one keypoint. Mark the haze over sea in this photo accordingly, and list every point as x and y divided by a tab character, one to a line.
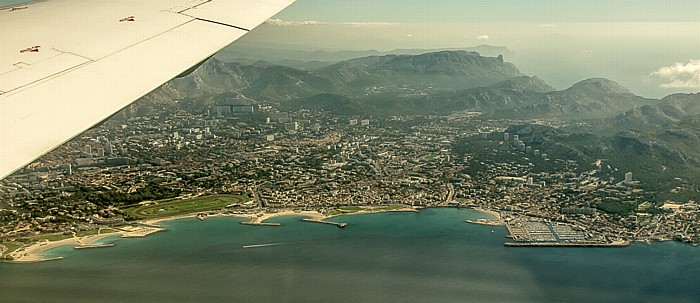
431	256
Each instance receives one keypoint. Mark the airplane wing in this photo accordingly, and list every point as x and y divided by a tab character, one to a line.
66	65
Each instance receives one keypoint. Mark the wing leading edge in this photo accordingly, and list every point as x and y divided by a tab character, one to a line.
66	65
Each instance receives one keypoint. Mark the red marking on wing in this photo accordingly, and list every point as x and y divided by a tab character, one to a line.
33	49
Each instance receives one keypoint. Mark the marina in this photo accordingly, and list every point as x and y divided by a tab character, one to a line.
566	244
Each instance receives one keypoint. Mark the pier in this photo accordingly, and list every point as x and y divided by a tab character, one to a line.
486	222
261	224
261	245
339	225
86	246
34	261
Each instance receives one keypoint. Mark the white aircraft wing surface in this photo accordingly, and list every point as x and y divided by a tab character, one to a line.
66	65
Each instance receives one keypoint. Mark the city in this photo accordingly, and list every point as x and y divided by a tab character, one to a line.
308	160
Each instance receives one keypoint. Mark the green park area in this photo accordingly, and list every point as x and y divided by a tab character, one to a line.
10	247
170	207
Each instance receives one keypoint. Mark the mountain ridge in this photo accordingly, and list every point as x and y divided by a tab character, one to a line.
439	83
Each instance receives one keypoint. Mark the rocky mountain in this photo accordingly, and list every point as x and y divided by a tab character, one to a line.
440	70
668	111
507	94
365	82
440	82
588	99
311	60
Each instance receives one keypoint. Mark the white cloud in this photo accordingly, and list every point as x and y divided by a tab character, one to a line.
369	24
680	75
280	22
483	37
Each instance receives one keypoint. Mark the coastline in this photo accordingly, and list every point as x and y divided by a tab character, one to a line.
496	214
495	221
33	253
370	211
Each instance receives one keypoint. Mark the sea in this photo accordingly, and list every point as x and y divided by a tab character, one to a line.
430	256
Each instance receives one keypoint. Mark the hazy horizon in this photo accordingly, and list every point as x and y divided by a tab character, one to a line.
650	47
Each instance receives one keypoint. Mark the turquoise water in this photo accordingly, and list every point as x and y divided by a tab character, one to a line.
431	256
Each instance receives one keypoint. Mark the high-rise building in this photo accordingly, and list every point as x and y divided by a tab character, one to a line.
240	105
628	177
242	109
353	121
506	136
364	122
222	110
238	102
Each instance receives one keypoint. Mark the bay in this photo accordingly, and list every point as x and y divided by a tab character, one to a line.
431	256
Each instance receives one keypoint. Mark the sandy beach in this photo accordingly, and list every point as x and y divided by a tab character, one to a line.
496	221
32	253
495	214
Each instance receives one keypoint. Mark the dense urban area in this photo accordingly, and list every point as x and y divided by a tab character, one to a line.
315	160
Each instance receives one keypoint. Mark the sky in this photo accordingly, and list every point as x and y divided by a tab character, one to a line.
651	47
415	11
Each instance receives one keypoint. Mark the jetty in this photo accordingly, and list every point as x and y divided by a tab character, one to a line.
33	261
261	245
86	246
486	222
339	225
261	224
